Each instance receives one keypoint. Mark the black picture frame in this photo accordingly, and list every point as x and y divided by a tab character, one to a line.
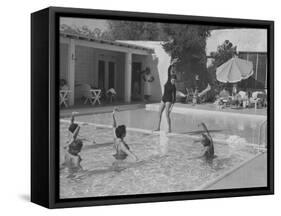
45	107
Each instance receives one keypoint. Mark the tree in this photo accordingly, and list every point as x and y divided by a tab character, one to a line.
131	30
182	41
188	44
224	52
85	31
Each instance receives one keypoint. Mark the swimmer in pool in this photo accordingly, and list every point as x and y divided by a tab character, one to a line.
72	158
74	128
207	142
121	147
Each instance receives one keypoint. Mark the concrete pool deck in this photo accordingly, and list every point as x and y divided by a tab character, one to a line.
89	110
179	107
212	109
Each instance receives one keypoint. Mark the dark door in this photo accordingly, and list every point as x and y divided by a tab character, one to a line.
101	69
111	75
136	78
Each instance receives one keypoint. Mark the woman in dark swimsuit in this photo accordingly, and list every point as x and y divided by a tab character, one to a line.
168	100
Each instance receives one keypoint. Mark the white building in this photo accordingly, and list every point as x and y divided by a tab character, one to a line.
111	64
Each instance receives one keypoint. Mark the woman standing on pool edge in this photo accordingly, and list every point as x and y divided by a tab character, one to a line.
168	100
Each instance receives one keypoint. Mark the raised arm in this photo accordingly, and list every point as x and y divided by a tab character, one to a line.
114	124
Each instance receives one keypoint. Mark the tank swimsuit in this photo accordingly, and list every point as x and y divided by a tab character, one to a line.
169	93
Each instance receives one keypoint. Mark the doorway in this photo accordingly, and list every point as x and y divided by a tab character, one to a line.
101	75
111	75
136	81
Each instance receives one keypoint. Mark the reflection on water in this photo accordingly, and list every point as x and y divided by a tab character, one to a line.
165	161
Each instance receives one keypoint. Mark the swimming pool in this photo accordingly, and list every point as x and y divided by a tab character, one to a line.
227	127
167	164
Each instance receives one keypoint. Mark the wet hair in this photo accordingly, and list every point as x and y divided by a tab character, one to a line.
120	131
76	145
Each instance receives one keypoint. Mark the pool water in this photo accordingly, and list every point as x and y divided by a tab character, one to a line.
167	163
224	127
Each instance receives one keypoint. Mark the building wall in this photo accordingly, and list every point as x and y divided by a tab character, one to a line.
63	61
259	61
158	62
86	67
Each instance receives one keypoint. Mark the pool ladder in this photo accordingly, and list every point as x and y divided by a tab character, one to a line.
260	132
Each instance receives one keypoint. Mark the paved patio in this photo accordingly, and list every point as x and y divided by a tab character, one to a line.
213	107
103	108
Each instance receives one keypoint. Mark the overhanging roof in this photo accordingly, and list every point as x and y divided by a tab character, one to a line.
107	42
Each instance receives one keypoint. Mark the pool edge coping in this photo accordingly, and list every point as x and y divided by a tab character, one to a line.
205	186
184	110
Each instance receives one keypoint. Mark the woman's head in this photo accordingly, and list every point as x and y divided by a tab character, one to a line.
75	147
120	131
173	79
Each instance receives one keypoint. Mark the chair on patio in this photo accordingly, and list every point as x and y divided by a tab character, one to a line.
257	98
91	95
189	95
64	97
111	94
224	99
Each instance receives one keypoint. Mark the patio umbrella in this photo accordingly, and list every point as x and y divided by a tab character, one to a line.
234	70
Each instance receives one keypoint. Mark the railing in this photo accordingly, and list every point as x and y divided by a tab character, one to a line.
260	132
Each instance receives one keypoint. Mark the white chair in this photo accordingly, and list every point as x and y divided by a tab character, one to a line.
91	95
64	94
111	93
254	99
95	96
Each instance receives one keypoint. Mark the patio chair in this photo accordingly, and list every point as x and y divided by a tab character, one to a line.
189	95
224	99
257	98
243	99
64	97
111	94
91	95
